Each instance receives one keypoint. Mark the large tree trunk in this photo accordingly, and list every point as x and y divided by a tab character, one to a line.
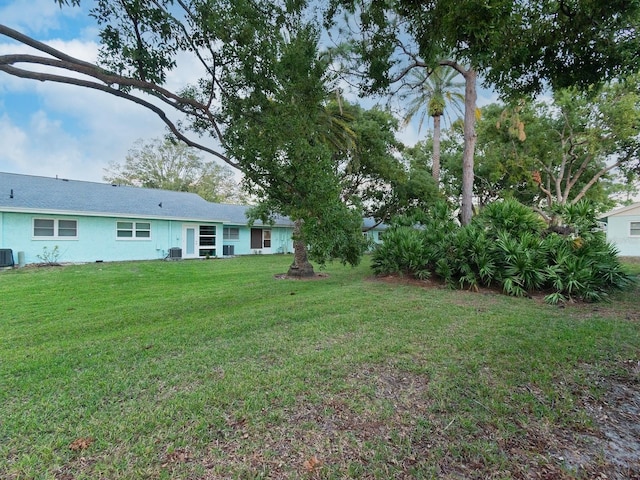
470	136
300	266
435	168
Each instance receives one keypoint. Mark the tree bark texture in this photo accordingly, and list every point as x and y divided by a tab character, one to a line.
301	267
470	137
435	168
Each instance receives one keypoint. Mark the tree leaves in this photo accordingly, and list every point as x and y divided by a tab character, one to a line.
169	165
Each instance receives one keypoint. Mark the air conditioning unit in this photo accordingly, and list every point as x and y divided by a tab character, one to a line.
6	257
175	253
228	250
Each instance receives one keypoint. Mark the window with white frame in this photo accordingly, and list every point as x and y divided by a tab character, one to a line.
55	228
231	233
634	229
133	230
207	241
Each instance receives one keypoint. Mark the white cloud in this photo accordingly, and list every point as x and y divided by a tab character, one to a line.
36	17
13	141
410	135
42	148
79	131
31	15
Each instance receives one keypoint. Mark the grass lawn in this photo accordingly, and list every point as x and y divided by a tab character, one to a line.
216	369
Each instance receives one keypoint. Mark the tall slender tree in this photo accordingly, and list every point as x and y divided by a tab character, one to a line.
430	93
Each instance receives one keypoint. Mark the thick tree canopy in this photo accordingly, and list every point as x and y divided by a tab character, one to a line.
582	145
372	171
174	166
282	124
519	47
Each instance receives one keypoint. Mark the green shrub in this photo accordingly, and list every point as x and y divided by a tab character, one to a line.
510	216
507	245
521	262
402	252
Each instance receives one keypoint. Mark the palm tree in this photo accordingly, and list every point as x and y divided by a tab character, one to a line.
435	90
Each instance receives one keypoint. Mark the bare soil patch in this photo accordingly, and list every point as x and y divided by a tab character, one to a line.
316	276
407	280
611	448
385	413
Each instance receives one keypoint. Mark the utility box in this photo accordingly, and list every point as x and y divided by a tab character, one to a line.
6	257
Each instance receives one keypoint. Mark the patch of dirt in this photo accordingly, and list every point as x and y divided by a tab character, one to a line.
407	280
336	433
614	444
386	421
316	276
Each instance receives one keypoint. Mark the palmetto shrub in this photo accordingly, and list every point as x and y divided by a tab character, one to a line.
586	268
402	252
508	245
510	216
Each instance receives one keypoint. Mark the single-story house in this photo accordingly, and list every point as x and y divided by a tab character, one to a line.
89	222
623	229
373	230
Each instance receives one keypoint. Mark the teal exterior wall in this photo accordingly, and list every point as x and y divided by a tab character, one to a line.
97	239
281	240
618	233
374	236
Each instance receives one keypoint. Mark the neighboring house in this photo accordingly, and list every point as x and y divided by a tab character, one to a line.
91	222
623	229
373	230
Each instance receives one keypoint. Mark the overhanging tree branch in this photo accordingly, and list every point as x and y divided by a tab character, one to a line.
105	83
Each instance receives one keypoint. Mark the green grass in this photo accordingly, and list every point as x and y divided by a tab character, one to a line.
215	369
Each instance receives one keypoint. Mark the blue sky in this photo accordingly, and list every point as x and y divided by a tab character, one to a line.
48	129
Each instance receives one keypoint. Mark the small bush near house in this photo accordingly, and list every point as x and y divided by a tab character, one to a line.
49	257
508	245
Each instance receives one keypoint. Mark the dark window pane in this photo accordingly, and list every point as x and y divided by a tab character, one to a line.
67	228
43	227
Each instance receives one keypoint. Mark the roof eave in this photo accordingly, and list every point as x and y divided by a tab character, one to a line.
78	213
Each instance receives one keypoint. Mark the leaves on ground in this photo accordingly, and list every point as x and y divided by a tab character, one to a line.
81	443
